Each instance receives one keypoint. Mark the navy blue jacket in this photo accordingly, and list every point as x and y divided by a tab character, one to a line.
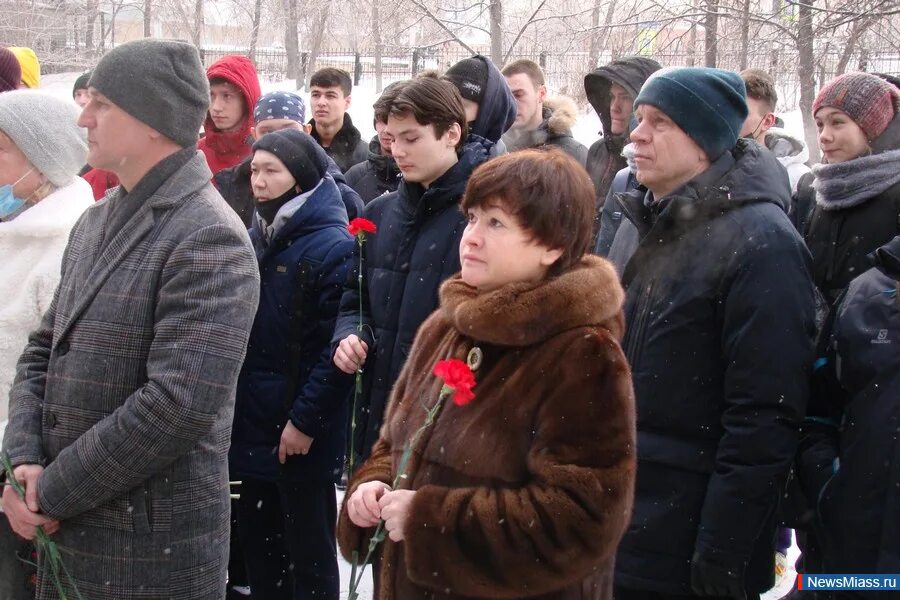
288	371
497	109
415	250
719	334
850	453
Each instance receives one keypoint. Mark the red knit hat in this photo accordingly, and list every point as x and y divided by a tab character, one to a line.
10	71
869	100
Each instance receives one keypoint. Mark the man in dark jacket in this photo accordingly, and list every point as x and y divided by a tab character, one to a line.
849	457
540	121
611	90
379	174
488	102
332	127
275	111
718	285
416	247
289	424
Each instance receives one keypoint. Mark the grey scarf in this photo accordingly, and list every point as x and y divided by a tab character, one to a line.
852	182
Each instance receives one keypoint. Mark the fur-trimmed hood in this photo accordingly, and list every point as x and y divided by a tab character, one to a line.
560	115
524	314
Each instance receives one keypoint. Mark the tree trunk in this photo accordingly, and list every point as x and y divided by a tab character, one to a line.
90	10
379	47
599	37
745	34
148	15
711	25
805	70
292	42
317	36
254	31
197	29
692	38
859	27
496	10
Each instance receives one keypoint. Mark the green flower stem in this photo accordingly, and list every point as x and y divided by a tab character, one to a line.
357	388
45	546
379	535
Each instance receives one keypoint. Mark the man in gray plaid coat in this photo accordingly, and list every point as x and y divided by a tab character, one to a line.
120	415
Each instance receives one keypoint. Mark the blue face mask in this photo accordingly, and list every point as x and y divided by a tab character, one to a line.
9	203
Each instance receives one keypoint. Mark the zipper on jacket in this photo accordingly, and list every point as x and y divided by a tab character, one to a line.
641	312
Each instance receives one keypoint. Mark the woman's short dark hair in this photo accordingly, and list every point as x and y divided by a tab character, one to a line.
432	102
549	193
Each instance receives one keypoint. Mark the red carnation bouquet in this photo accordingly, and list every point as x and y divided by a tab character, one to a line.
458	381
358	228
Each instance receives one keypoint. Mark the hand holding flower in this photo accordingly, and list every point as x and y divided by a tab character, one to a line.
350	354
24	513
395	512
363	506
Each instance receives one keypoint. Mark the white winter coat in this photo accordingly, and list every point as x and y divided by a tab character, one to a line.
31	250
791	152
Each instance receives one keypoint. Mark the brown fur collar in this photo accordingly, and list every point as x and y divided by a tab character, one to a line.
522	314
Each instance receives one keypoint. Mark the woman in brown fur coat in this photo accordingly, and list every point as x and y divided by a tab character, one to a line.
526	490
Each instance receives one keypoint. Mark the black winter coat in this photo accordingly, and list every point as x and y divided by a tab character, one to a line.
415	249
719	334
347	148
288	371
234	185
376	176
850	453
841	240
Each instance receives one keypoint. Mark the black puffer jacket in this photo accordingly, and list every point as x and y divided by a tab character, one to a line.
604	157
840	240
376	176
347	148
415	249
719	334
850	454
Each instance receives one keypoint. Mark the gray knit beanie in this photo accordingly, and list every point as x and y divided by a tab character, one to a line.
159	82
45	129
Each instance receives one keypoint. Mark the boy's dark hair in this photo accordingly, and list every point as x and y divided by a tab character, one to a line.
433	102
528	67
331	77
548	191
761	87
382	106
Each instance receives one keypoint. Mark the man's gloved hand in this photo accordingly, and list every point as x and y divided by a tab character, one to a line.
712	578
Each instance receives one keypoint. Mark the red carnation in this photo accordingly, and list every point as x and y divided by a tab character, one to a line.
457	377
360	225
